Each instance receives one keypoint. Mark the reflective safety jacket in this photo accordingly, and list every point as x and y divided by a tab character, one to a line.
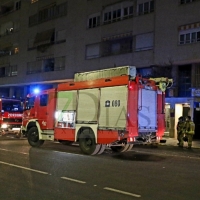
190	127
181	127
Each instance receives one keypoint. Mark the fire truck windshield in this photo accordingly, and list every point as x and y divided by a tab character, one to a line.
11	106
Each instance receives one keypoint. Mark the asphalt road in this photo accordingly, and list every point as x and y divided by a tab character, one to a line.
55	171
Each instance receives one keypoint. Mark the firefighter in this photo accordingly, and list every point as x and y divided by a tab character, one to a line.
189	130
180	131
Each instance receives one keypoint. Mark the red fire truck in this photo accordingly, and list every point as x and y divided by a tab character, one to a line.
113	107
10	116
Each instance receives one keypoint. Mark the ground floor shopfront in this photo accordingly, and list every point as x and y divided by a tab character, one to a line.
177	107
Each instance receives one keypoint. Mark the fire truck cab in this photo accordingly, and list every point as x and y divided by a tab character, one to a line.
113	107
10	116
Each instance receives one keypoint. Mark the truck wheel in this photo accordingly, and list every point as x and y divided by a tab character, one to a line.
33	137
87	142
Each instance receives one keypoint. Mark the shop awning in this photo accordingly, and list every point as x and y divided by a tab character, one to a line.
44	37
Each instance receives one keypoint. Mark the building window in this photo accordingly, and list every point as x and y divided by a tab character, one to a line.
14	70
48	65
92	51
113	46
117	12
44	65
6	51
11	70
2	71
184	81
59	63
144	41
44	38
186	1
8	71
146	7
17	5
94	20
107	17
116	15
34	67
49	13
128	11
60	36
189	34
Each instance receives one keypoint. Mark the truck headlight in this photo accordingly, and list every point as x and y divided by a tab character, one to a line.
4	126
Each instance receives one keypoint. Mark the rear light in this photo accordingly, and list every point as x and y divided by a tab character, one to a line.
130	139
130	87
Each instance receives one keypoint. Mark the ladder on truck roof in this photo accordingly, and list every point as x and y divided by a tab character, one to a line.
106	73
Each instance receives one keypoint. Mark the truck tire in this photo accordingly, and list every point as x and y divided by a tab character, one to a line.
33	137
87	142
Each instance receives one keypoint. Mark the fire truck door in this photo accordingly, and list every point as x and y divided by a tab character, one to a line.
29	110
147	115
46	109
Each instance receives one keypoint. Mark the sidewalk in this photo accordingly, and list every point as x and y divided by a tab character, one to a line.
173	142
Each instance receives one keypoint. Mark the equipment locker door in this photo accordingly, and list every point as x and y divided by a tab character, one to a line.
46	109
147	110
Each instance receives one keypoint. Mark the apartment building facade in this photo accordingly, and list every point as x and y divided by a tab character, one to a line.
44	42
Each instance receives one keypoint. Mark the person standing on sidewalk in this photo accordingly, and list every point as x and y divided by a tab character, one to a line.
189	130
180	131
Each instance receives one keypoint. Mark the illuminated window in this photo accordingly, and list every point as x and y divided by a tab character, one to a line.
34	1
16	50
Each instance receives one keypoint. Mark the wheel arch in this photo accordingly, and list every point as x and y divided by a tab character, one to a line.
34	123
81	127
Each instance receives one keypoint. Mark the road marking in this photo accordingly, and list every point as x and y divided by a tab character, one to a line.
169	155
21	167
14	151
122	192
73	180
69	153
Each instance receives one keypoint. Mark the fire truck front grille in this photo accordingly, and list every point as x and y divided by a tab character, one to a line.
9	120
